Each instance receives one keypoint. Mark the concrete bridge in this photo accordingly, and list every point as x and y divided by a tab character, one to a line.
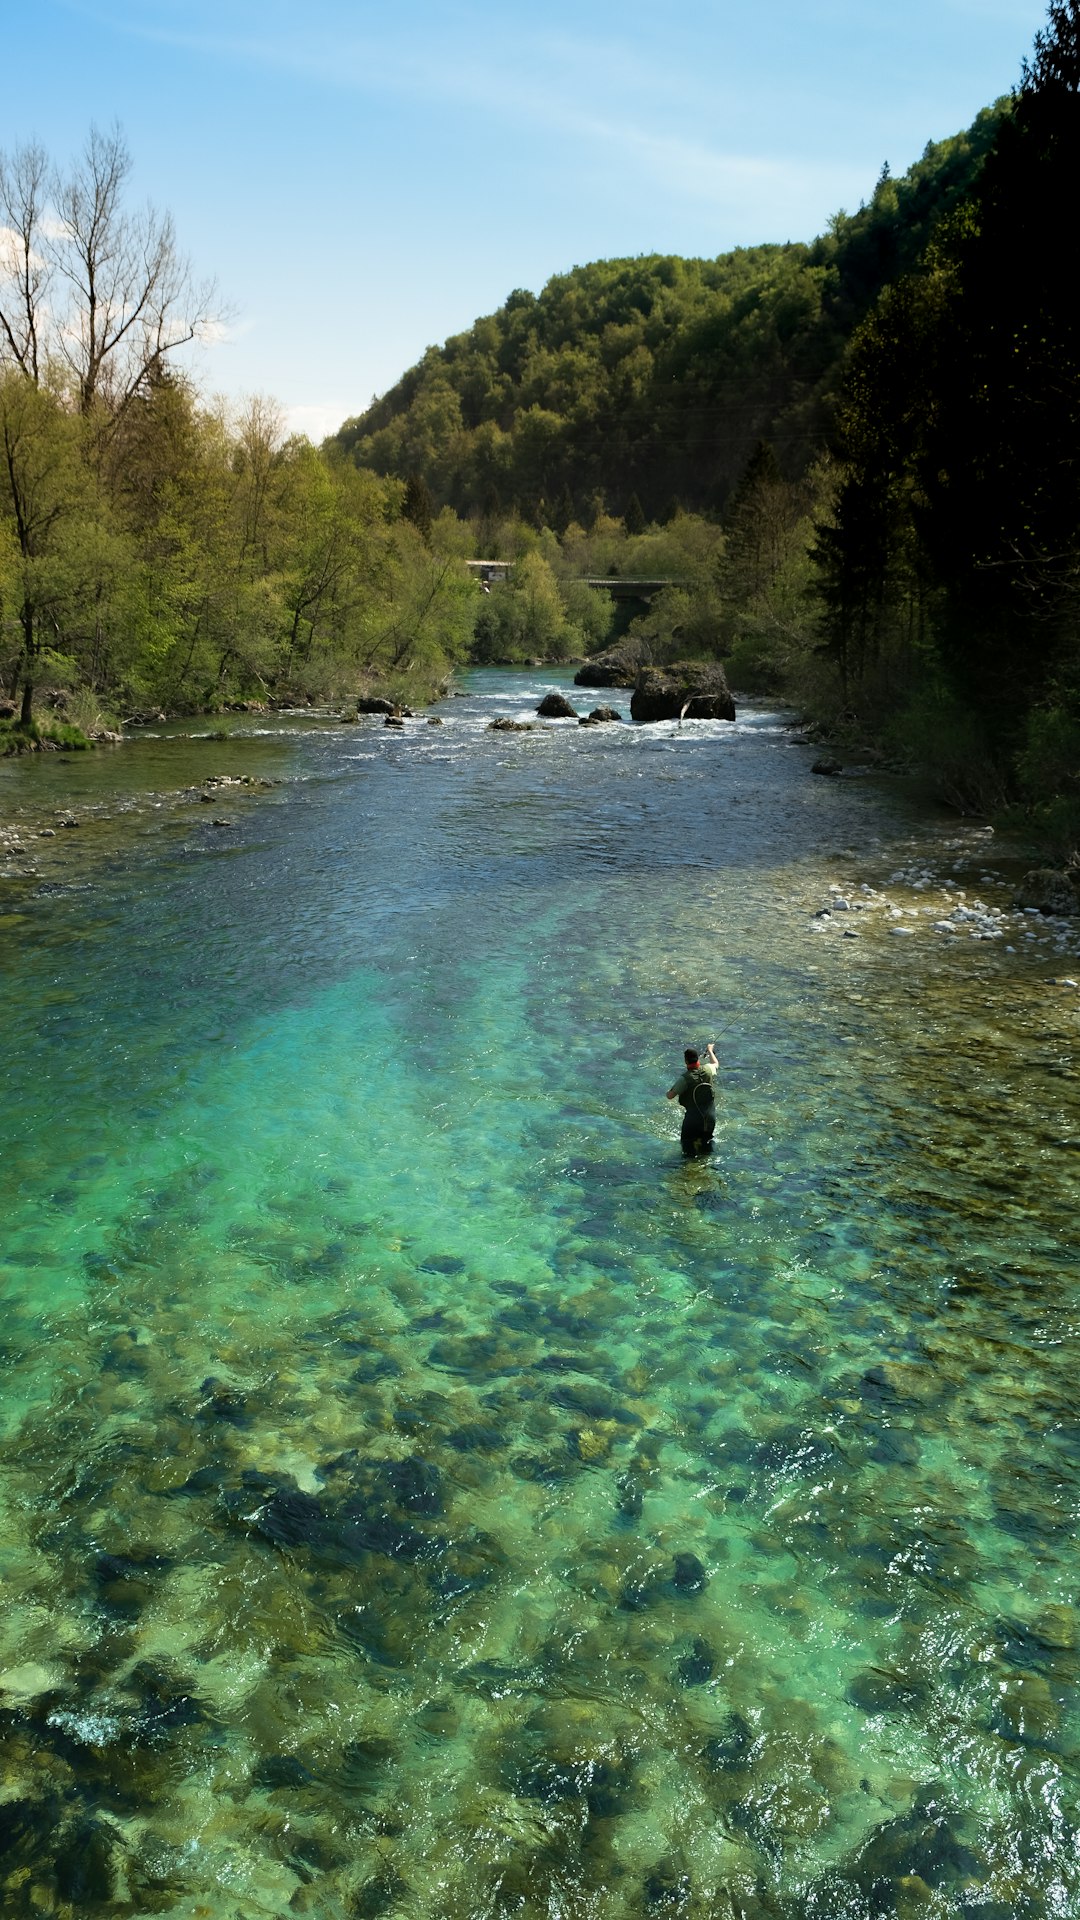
494	572
620	589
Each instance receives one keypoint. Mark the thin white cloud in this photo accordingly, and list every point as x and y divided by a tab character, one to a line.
315	422
484	76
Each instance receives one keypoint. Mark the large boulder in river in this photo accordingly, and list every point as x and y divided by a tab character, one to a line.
617	666
690	689
556	706
371	703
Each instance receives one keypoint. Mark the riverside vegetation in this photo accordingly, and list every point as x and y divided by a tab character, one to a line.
158	550
852	461
856	458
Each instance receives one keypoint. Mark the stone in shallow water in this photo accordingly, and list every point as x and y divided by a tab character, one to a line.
481	1353
794	1450
1057	1627
894	1447
877	1691
563	1363
293	1519
601	1781
629	1499
224	1403
468	1565
359	1531
374	1367
442	1263
382	1895
126	1581
474	1437
276	1772
84	1864
589	1400
697	1667
667	1889
19	1685
414	1484
363	1763
165	1704
543	1469
690	1575
922	1843
731	1750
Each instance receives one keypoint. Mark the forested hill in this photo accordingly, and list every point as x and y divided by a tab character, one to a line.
657	377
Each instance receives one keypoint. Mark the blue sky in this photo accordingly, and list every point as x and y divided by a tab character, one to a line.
363	183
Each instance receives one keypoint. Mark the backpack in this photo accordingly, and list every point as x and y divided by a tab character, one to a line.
700	1098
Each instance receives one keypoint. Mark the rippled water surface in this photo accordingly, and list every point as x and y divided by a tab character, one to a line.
422	1492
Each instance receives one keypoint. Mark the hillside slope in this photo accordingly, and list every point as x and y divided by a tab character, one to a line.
656	376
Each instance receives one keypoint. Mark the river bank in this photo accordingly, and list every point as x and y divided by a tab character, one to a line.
422	1491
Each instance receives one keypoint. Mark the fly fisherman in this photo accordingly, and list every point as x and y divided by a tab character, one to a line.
694	1092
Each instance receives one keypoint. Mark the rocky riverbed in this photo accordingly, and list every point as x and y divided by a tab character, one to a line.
420	1492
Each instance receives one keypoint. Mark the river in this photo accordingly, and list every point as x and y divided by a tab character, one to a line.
421	1492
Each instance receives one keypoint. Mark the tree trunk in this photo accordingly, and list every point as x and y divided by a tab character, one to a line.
27	618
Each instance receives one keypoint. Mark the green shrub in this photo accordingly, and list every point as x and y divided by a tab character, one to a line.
15	738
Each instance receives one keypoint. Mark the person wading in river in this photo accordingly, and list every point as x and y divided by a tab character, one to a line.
694	1092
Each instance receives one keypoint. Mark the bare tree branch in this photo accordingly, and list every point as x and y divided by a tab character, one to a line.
25	272
87	286
133	299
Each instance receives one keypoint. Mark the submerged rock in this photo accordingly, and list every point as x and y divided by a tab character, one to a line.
630	1498
505	725
690	690
731	1750
690	1575
381	1895
877	1691
697	1667
923	1843
667	1889
85	1864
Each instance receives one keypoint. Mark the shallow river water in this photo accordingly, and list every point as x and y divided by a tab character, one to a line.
424	1494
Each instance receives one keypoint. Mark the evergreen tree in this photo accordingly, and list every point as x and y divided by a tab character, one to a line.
634	518
418	506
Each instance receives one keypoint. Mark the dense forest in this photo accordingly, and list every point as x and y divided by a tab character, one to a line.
646	384
849	468
949	569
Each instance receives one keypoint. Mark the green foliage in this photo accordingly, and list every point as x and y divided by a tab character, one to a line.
40	733
204	557
528	618
634	517
1048	765
941	733
645	382
953	557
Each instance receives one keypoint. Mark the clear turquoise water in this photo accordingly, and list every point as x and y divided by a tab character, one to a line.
422	1493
